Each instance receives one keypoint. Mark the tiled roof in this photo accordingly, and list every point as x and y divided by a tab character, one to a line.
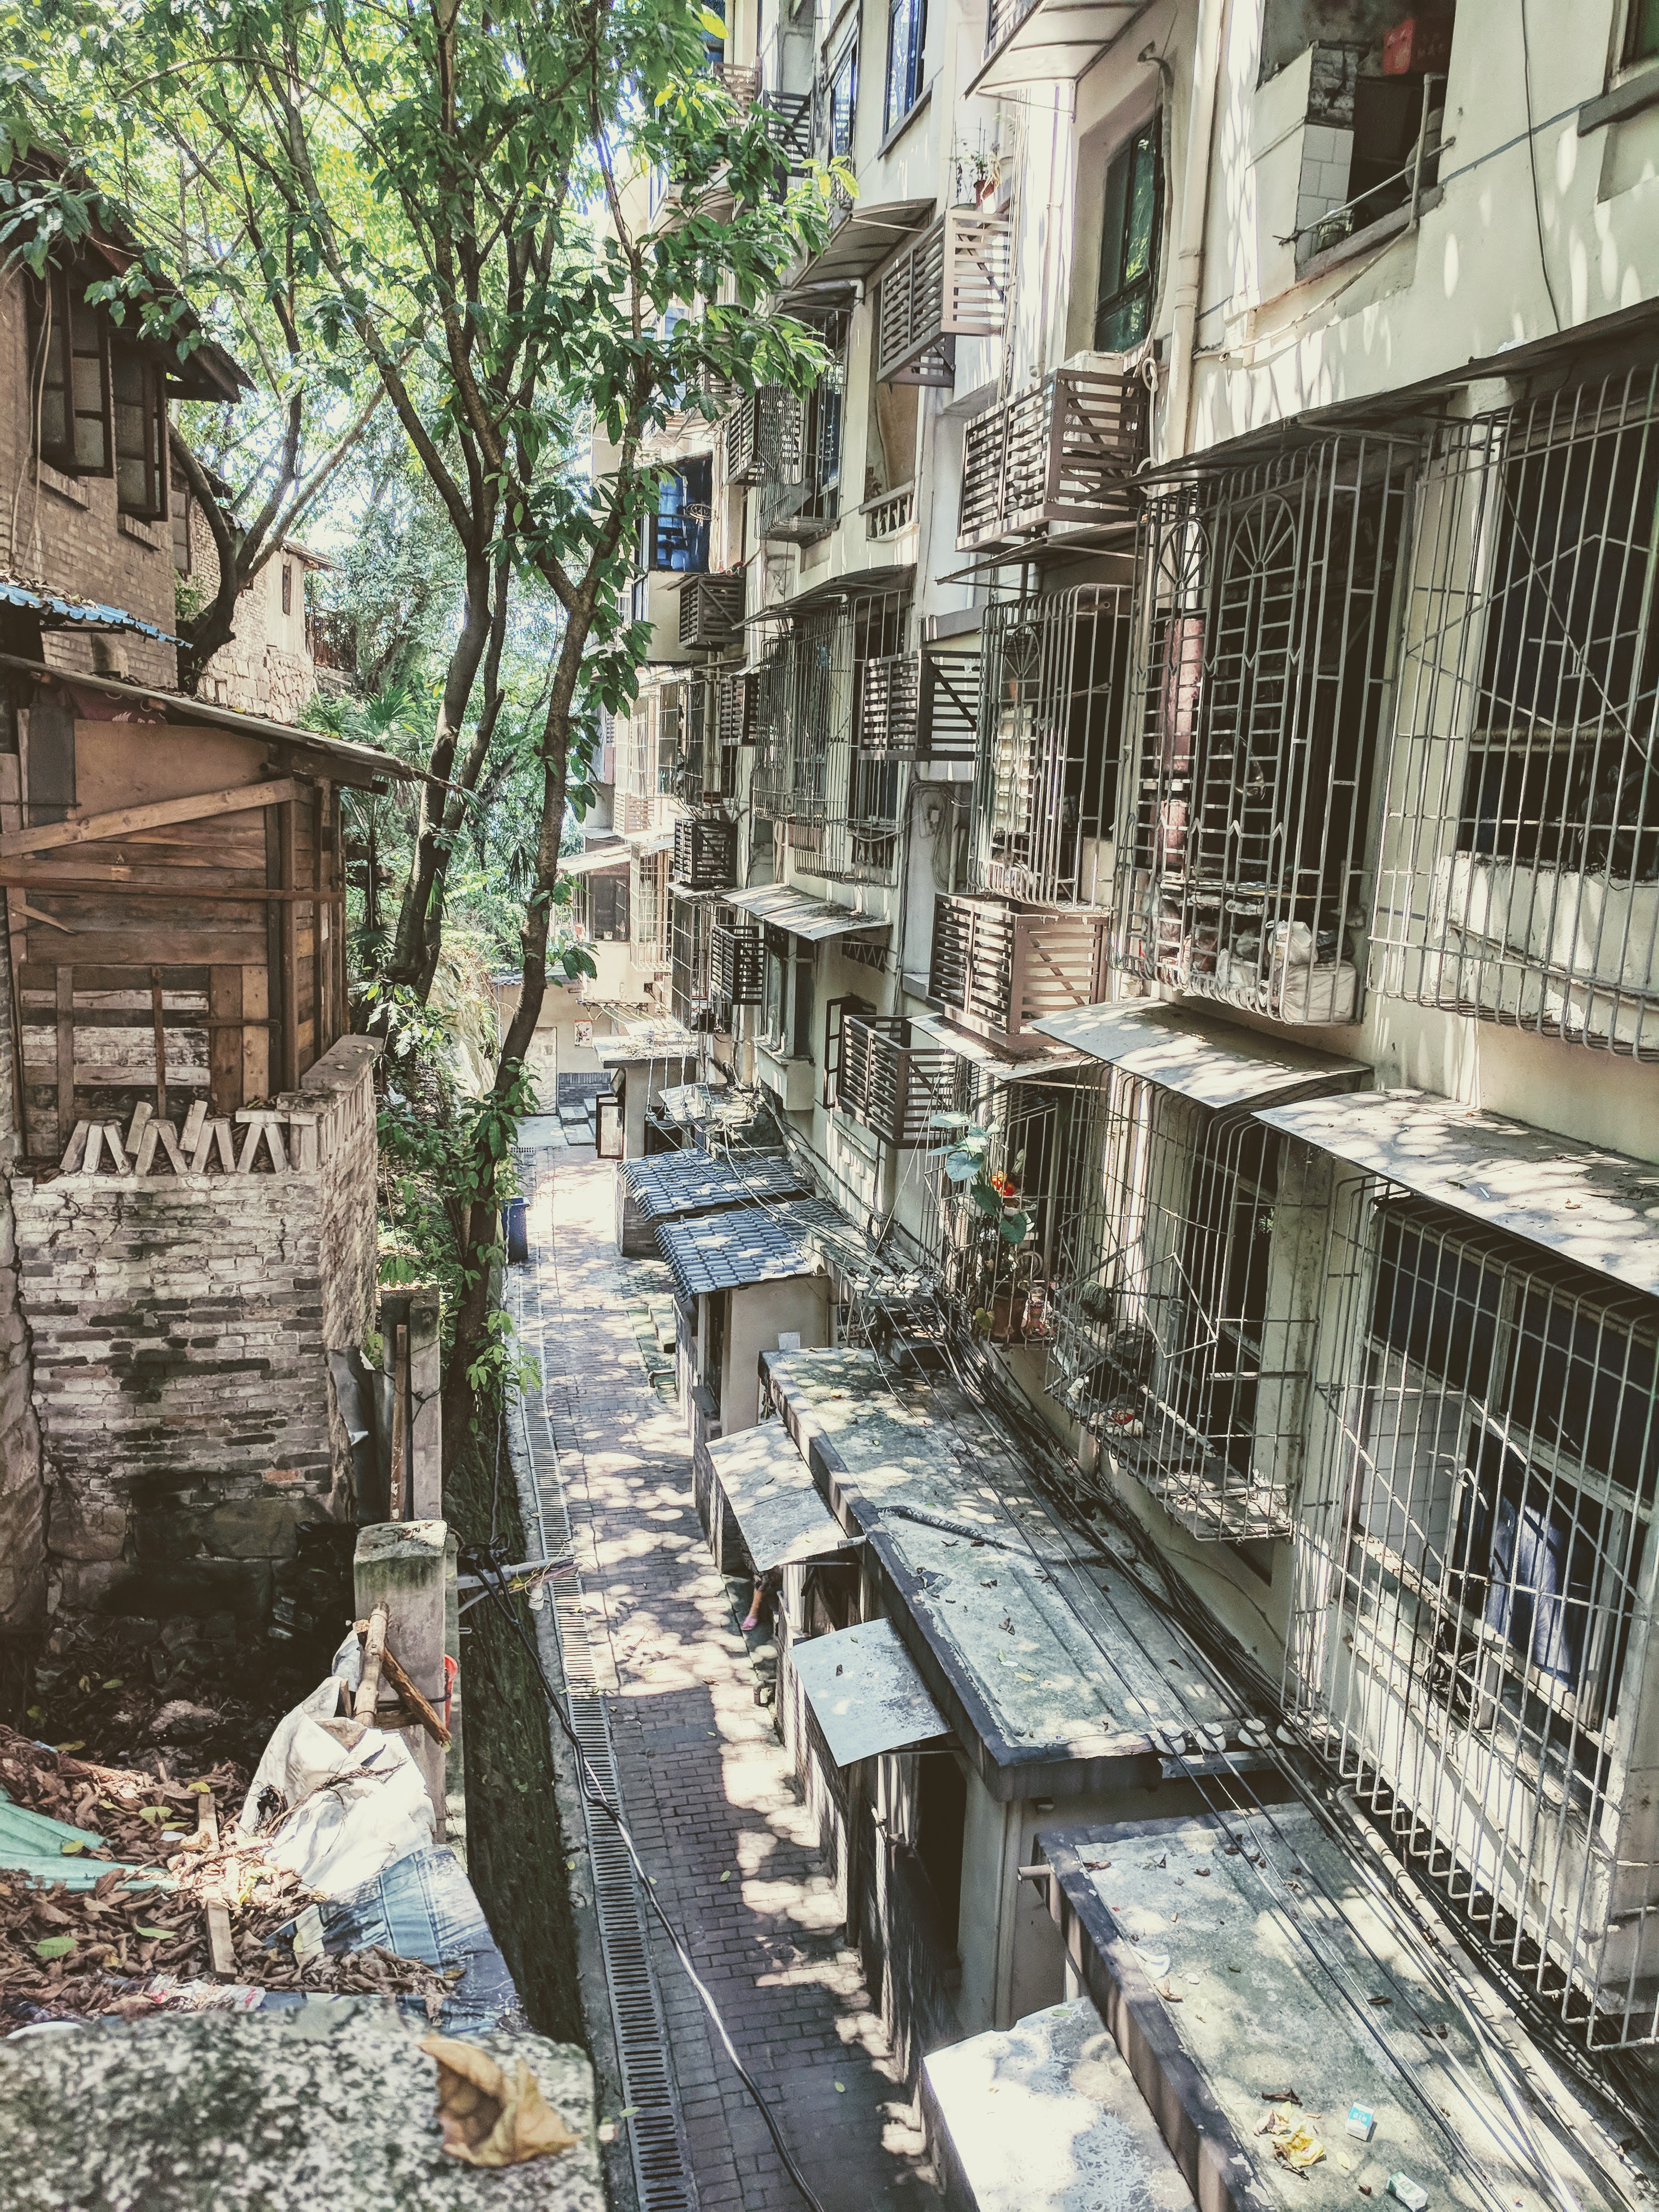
759	1244
695	1181
58	610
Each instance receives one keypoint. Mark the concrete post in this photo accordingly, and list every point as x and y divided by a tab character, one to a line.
404	1565
408	1329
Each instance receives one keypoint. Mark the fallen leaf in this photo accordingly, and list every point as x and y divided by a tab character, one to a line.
114	1683
77	1745
54	1947
840	2089
489	2116
726	1876
154	1935
73	1849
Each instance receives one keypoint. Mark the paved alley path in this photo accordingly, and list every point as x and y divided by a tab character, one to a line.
706	1786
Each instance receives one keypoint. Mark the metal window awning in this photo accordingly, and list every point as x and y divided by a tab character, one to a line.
767	1484
787	909
1056	42
985	1060
1219	1065
695	1181
596	860
867	1692
1599	1209
860	244
645	843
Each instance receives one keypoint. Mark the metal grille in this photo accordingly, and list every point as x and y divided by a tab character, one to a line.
1184	1320
891	1085
1519	872
650	909
952	282
1265	606
711	612
999	970
735	967
1055	673
705	854
761	435
1003	1284
692	989
734	707
844	806
1476	1584
1060	450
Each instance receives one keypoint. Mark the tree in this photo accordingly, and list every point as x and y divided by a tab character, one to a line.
512	309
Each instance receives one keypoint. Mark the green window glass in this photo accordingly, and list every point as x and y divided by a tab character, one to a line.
1128	244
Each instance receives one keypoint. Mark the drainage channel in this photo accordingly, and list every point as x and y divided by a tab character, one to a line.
552	1439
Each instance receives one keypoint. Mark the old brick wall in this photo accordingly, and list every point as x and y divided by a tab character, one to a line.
179	1331
65	532
267	668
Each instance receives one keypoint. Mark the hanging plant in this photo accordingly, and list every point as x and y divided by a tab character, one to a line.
967	1167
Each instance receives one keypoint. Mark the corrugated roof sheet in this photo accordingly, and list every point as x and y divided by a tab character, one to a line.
786	907
58	610
1220	1065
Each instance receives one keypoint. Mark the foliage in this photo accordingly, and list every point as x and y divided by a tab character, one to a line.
967	1158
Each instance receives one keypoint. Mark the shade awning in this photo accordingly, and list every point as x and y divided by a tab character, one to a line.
1597	1208
867	1692
695	1181
787	909
1219	1065
1056	42
779	1513
860	244
985	1060
595	860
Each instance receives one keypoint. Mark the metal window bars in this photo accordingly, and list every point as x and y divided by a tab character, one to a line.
650	910
1063	450
1052	705
844	807
734	693
891	1083
1471	1631
1004	1288
693	986
1518	875
950	283
1183	1322
736	976
799	456
1265	602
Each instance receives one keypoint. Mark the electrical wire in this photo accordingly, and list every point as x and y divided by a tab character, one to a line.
486	1564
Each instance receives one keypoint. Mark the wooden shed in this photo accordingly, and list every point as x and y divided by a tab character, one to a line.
175	888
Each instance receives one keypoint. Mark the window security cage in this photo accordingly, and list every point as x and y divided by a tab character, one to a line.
894	1082
650	910
1473	1612
1183	1324
1518	877
705	854
1266	602
922	705
798	448
1055	678
1004	1289
692	989
843	804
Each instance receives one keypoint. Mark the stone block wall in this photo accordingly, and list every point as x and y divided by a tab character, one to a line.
180	1330
266	668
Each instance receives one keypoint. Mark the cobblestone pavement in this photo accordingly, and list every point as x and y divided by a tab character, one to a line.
706	1786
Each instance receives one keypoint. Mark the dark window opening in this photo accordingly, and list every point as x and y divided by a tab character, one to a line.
1642	32
138	390
288	588
715	1310
844	91
941	1826
677	535
607	906
1129	244
907	33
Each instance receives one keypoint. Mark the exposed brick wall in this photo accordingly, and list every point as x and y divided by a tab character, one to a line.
179	1331
66	532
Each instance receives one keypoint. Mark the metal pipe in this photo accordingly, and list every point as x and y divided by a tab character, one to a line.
1188	288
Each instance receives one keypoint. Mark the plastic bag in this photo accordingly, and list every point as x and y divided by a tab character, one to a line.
351	1803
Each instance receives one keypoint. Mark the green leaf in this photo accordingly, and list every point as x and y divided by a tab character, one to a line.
986	1200
154	1935
54	1947
73	1848
1014	1228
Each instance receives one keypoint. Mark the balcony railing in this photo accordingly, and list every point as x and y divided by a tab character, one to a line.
998	968
891	1086
736	967
788	124
705	855
889	512
951	283
1061	451
711	612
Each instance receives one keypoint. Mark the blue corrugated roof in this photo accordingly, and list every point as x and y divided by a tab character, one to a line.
58	610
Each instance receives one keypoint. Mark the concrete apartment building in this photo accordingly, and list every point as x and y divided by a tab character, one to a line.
1179	697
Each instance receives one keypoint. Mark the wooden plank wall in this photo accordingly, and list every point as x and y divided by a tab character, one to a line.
161	960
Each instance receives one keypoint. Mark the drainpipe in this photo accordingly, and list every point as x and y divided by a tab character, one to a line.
1187	291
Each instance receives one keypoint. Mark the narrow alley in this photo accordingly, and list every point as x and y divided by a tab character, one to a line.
706	1785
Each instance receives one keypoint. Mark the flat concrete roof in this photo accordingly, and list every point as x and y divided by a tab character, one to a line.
1056	1677
1239	1955
1046	2114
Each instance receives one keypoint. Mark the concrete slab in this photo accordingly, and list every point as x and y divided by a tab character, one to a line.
1057	1676
1236	1956
865	1693
766	1484
1046	2115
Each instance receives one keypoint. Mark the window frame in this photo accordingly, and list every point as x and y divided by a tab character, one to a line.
912	14
1640	41
1142	288
845	66
56	312
150	455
